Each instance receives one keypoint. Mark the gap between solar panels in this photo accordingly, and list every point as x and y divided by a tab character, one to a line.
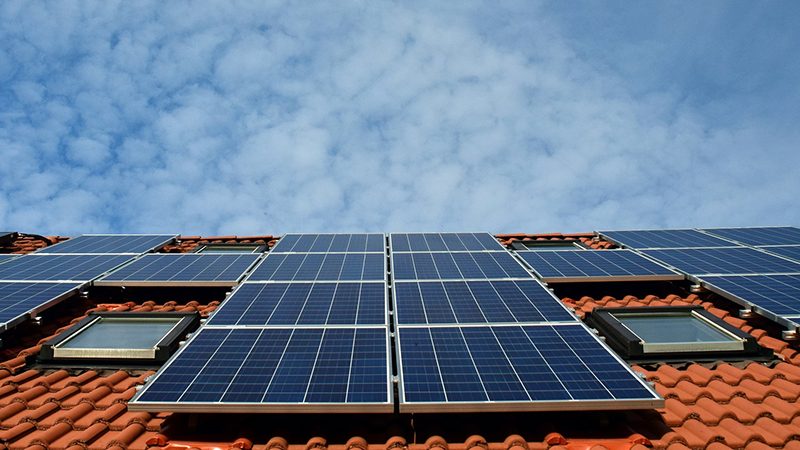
308	330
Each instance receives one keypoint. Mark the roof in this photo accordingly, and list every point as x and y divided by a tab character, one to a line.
714	405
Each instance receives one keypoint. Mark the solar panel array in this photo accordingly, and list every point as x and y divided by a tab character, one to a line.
261	304
110	243
18	301
717	261
456	266
443	242
31	283
647	239
476	332
60	267
473	302
189	269
787	251
595	265
508	368
757	267
306	331
331	243
759	236
774	294
321	267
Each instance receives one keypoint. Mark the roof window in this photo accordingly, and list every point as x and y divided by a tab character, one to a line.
672	332
137	337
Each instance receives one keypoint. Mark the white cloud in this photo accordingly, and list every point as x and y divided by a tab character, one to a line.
267	118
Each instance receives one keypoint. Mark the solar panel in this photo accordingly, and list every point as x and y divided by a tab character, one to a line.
59	267
443	242
262	304
110	243
759	236
643	239
737	260
321	267
506	301
787	251
275	370
20	300
595	265
776	294
188	269
507	368
331	243
456	266
4	258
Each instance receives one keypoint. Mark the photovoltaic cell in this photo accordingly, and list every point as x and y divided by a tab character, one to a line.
778	294
759	236
456	266
462	302
181	269
17	300
509	368
59	267
282	304
443	242
321	267
110	243
723	261
643	239
275	370
331	243
787	251
595	265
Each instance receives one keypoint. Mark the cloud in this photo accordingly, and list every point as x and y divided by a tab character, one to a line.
378	116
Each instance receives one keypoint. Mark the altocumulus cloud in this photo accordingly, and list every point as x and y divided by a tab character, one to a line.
268	117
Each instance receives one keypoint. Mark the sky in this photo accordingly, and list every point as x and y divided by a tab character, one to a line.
250	118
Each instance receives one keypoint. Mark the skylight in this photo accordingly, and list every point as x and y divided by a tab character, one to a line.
670	332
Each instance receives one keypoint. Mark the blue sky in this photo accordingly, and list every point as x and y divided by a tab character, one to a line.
245	118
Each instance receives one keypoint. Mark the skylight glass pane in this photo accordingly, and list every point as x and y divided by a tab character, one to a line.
672	328
122	333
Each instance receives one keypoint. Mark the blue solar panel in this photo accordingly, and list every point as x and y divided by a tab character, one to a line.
275	370
759	236
642	239
262	304
595	265
4	258
18	300
443	242
513	368
787	251
187	269
321	267
59	267
778	294
110	243
331	243
456	266
737	260
509	301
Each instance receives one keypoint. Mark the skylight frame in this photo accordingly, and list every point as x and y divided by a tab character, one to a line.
631	346
185	322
